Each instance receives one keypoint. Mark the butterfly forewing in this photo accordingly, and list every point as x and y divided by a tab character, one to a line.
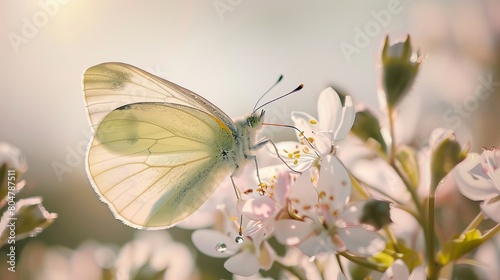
108	86
155	164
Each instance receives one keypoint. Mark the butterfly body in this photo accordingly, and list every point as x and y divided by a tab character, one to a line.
159	150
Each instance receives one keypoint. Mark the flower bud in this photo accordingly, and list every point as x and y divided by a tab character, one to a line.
446	153
400	67
376	213
367	128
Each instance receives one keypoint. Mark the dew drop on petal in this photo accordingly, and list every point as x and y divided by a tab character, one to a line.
221	247
238	239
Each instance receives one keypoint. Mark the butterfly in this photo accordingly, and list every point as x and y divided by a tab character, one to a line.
159	150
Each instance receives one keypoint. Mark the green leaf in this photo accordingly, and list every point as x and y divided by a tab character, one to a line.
406	159
459	246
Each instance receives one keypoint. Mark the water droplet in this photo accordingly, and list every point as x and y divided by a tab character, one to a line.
221	247
238	239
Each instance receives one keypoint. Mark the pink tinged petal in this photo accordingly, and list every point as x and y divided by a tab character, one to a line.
348	115
472	187
207	241
361	241
282	188
316	244
491	208
292	232
341	276
304	197
329	110
353	212
397	271
302	121
244	264
334	187
490	161
257	209
258	231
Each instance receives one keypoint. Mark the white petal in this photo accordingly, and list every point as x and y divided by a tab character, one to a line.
244	264
361	241
329	109
206	240
334	186
292	232
472	187
256	209
397	271
382	177
302	121
348	116
491	208
289	147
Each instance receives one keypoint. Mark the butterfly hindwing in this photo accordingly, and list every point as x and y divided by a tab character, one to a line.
155	163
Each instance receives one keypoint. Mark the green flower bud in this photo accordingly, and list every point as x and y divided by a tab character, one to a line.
400	67
446	154
367	128
376	213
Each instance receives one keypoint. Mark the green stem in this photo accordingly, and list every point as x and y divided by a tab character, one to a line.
491	233
392	238
292	269
475	223
432	266
363	262
392	152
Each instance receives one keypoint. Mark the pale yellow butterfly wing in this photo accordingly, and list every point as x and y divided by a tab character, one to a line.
108	86
154	164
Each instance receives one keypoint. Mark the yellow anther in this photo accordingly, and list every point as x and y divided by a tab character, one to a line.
313	122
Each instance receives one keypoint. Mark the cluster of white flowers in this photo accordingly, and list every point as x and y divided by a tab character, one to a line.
311	212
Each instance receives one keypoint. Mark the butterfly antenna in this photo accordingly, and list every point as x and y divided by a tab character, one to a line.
279	97
267	91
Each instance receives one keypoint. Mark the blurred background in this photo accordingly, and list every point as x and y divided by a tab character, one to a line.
229	51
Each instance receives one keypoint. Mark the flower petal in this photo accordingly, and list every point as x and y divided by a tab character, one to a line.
303	122
397	271
491	208
206	240
348	116
287	151
329	110
244	264
361	241
258	208
292	232
304	196
472	187
334	188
